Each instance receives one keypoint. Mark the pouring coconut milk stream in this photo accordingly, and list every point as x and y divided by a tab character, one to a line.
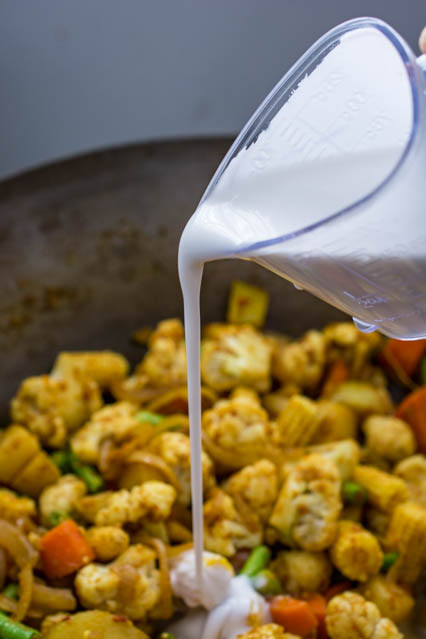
308	190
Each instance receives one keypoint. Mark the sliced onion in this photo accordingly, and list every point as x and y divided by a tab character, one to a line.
16	544
26	581
49	598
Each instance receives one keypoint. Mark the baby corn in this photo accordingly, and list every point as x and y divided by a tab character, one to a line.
384	491
407	536
298	422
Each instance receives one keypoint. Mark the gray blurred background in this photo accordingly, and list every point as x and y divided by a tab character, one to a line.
78	75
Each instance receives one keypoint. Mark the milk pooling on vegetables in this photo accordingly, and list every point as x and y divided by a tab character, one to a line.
306	165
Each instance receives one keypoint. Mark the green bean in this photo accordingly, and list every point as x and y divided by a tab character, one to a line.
68	462
61	459
56	517
10	629
267	583
147	416
257	561
389	558
353	493
11	591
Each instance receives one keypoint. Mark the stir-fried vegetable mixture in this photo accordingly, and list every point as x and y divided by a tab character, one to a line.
314	482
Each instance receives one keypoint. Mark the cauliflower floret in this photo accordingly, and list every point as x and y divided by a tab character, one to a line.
13	508
105	367
268	631
350	616
392	600
175	450
257	486
165	362
235	355
152	500
345	341
345	454
224	528
309	504
389	437
107	542
302	362
236	424
60	498
356	552
50	407
129	586
116	422
413	471
300	571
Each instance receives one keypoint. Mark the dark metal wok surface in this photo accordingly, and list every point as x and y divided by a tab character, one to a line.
88	253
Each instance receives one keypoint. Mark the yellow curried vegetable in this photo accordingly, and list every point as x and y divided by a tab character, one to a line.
95	623
247	304
303	460
384	491
356	552
298	422
407	536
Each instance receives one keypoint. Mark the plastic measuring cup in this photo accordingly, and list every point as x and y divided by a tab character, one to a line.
325	185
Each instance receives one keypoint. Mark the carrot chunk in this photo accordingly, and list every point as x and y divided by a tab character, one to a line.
412	410
295	615
64	550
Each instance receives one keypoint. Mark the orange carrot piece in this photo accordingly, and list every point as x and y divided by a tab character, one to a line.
318	605
337	374
412	410
406	354
295	615
64	550
337	589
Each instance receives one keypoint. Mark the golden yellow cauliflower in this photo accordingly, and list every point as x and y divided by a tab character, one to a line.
345	454
302	362
60	499
267	631
107	542
413	471
389	437
152	500
14	508
300	571
235	355
350	616
128	586
345	341
51	407
165	362
356	552
115	422
256	486
392	600
309	504
175	450
236	430
225	531
104	367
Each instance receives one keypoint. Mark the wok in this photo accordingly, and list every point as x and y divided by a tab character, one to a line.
88	253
